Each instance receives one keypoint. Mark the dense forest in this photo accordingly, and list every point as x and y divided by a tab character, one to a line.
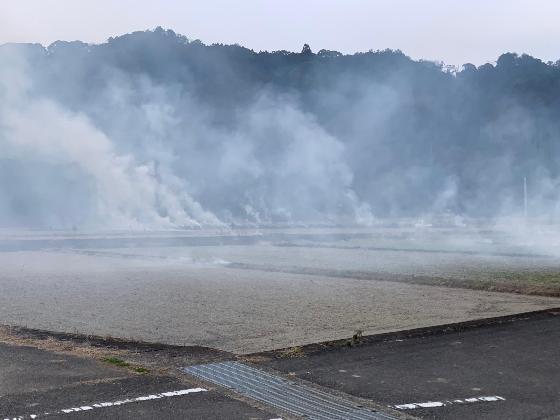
153	130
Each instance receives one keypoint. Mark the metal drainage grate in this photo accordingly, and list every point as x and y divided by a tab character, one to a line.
281	393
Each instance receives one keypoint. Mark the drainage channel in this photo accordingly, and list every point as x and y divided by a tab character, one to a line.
281	393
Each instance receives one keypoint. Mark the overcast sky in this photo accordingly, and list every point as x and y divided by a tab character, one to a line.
454	31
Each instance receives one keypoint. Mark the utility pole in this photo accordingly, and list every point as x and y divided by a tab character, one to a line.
525	196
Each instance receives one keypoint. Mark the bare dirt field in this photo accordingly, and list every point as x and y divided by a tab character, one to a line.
236	294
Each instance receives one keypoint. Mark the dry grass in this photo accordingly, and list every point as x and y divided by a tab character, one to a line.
74	348
292	352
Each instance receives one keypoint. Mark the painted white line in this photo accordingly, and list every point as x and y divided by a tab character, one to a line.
494	398
433	404
430	404
110	404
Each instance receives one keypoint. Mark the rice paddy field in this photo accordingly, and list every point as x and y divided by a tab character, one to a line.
247	289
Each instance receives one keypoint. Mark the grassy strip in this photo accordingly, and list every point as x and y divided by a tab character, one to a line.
539	283
121	363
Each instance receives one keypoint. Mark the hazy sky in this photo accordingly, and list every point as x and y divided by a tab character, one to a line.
454	31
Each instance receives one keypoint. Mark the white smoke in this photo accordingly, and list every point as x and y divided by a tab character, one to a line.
126	194
142	156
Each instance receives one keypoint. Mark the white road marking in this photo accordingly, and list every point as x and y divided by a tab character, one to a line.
494	398
405	406
111	404
432	404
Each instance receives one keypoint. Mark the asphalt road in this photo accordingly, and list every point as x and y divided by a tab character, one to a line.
512	369
506	370
35	382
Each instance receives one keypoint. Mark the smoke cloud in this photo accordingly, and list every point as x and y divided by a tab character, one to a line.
153	131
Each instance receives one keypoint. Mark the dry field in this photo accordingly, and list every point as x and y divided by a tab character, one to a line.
268	289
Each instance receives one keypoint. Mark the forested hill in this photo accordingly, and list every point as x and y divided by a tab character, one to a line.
196	133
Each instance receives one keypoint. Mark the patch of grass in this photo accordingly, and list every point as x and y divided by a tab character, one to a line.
115	361
543	282
292	352
357	337
351	342
121	363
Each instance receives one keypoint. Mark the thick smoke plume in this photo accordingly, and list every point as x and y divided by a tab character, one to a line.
151	130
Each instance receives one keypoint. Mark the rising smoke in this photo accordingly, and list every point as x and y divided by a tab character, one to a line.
153	131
